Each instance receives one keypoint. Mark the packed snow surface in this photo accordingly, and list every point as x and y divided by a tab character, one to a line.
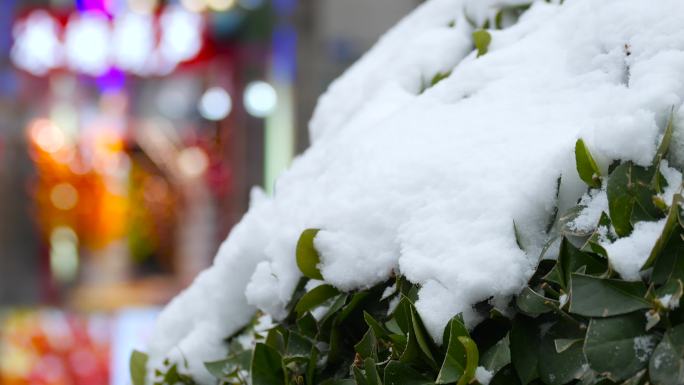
428	184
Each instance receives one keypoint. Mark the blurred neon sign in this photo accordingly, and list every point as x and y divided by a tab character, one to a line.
92	43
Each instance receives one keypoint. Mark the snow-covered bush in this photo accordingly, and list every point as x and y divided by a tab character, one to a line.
451	235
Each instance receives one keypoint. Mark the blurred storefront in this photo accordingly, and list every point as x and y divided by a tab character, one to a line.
131	133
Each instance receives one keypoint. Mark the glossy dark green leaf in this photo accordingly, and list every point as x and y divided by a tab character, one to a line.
338	381
620	199
601	297
372	375
619	347
524	340
570	260
666	366
267	366
276	338
402	315
298	345
505	376
586	165
307	256
317	296
497	356
560	367
398	373
138	367
368	346
533	303
638	379
378	329
481	39
359	376
307	325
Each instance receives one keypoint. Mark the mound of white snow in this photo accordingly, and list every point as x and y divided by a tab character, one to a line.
429	184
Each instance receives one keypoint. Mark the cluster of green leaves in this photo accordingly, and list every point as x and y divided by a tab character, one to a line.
576	322
368	337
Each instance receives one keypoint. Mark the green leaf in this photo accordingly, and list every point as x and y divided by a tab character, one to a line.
397	373
593	244
307	325
666	366
267	368
571	260
560	367
618	346
670	227
630	197
518	237
601	297
425	343
298	345
317	296
472	358
665	141
378	329
533	303
338	381
497	356
307	256
138	367
371	372
620	200
455	360
439	77
368	346
637	379
276	338
359	376
505	376
219	369
481	38
524	339
586	165
563	344
670	294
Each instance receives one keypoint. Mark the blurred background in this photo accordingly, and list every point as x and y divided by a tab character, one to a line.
131	132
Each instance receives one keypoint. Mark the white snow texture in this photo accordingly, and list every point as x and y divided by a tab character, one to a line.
428	184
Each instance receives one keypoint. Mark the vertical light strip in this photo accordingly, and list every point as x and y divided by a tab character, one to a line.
279	136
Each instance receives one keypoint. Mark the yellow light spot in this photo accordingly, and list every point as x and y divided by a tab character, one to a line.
220	5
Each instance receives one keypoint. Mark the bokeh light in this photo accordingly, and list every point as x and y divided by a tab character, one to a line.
215	104
260	99
193	162
64	196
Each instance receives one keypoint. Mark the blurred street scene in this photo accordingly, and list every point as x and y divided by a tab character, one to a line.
131	133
